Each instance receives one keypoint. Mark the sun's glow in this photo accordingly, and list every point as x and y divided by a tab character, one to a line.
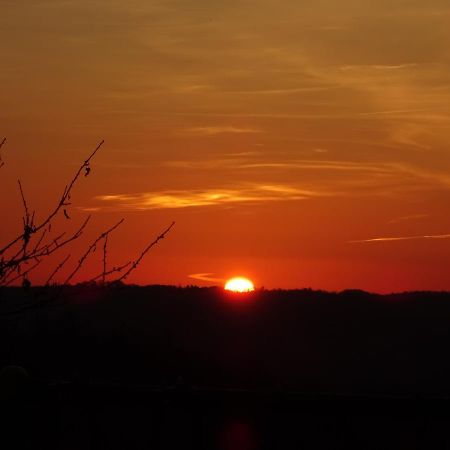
239	284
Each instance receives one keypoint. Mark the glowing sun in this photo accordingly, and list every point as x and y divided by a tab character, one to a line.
239	284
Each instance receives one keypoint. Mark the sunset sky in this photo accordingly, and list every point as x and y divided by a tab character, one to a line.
301	143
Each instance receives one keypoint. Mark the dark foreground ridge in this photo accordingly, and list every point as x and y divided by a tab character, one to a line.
307	341
166	367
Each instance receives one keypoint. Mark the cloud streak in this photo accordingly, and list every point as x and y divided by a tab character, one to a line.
380	173
367	178
401	238
378	67
407	218
206	277
306	164
213	130
256	193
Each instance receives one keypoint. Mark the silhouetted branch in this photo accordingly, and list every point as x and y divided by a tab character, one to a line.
63	202
34	244
28	226
25	206
57	269
152	244
2	143
105	245
22	274
110	272
39	242
14	263
90	249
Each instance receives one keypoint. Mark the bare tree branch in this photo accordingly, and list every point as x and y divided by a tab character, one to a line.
13	264
105	245
22	274
90	249
25	206
117	269
57	269
2	143
23	254
144	252
63	202
39	242
28	225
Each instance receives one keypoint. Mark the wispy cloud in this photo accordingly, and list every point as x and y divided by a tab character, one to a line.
412	135
306	164
377	173
206	277
280	91
282	116
407	218
402	238
213	130
256	193
363	173
395	112
218	163
310	164
378	67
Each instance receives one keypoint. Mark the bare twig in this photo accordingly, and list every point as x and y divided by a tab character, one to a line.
90	249
20	257
13	264
135	263
23	274
39	242
110	272
28	226
63	202
57	269
2	143
25	206
56	245
105	245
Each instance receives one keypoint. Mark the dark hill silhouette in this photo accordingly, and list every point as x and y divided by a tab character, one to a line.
187	368
302	340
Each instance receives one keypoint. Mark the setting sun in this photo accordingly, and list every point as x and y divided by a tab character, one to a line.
239	284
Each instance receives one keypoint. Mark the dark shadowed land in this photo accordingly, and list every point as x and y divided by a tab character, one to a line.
308	341
175	365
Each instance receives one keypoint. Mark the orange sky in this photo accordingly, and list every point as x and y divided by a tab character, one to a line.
283	137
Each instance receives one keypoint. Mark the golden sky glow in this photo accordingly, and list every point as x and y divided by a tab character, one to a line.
304	143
